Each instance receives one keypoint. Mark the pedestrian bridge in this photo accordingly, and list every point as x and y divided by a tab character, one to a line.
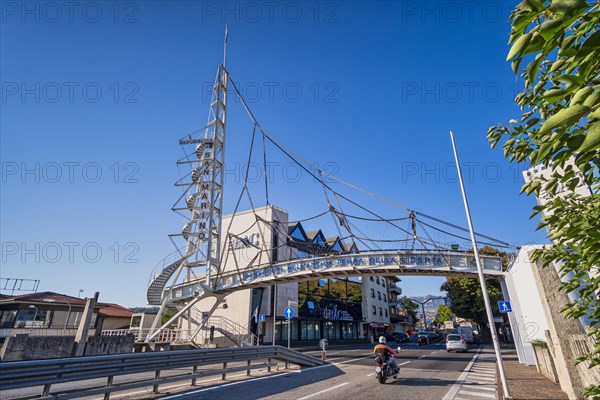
387	263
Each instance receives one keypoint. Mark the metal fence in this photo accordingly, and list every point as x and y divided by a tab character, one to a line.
45	373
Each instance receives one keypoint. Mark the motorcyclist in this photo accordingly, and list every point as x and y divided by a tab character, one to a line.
386	353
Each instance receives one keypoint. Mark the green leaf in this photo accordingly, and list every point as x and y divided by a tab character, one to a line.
549	28
594	116
593	99
557	64
519	46
574	142
570	80
567	7
535	44
592	139
581	95
555	95
531	5
590	44
566	116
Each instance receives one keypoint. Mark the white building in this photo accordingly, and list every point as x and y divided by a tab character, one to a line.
335	309
376	307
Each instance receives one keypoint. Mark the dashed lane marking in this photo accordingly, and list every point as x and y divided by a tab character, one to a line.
323	391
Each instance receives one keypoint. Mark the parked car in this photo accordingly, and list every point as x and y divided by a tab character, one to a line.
401	337
456	342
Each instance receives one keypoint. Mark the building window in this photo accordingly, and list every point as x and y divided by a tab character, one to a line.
386	313
383	282
373	293
378	280
384	297
371	278
380	312
374	310
378	295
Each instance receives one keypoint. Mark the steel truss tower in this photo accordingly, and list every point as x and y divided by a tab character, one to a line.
202	202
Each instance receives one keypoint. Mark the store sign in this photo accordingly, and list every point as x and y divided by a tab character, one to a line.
333	314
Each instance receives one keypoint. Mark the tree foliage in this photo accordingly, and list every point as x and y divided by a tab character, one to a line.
466	299
412	308
558	42
444	313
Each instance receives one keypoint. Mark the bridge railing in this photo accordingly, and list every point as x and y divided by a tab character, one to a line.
242	333
367	263
164	336
184	365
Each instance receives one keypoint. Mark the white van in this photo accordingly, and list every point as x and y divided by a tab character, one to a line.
466	332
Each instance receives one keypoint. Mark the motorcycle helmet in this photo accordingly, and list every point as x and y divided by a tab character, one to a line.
382	340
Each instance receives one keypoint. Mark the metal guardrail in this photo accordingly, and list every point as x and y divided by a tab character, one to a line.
45	373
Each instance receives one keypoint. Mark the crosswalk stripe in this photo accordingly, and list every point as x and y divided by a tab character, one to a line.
486	395
481	374
486	380
481	385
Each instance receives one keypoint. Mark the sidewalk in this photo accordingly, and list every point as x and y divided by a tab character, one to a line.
524	382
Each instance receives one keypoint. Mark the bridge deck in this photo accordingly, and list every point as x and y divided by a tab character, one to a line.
345	265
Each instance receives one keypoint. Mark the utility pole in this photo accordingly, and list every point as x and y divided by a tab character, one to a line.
82	331
486	298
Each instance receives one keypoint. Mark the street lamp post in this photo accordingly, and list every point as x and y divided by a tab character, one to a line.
485	295
34	317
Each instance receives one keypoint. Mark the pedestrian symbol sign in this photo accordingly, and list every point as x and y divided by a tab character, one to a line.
504	306
288	312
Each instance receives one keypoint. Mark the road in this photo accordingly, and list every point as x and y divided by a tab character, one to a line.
426	373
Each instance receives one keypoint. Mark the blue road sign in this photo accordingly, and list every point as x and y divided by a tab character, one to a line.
261	318
288	312
504	306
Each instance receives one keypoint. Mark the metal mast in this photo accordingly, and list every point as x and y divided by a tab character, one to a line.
203	199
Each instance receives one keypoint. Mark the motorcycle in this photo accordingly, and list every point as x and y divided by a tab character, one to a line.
383	369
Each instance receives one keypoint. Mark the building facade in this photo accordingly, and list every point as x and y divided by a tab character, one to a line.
333	309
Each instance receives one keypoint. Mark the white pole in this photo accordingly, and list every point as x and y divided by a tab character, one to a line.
486	298
274	311
289	326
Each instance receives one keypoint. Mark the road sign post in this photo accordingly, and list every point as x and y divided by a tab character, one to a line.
288	313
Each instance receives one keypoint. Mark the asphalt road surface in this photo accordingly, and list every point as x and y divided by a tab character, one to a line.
425	373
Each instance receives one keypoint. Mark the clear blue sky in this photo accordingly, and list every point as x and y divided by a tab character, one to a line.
95	98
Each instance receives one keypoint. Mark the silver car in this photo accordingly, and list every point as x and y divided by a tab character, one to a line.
456	342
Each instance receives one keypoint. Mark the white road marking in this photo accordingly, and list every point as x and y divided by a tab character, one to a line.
323	391
484	376
371	374
479	387
478	394
461	379
423	356
433	352
405	362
